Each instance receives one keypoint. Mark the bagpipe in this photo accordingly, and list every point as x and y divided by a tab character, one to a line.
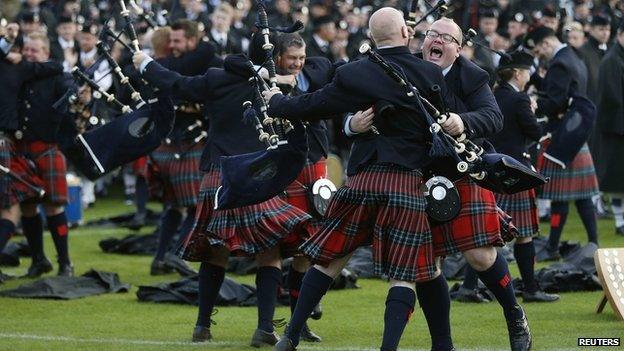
496	172
255	177
135	133
437	11
6	170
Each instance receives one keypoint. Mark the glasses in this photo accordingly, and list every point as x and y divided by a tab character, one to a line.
446	38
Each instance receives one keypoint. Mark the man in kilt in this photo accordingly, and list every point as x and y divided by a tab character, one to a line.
15	72
382	203
566	77
267	231
37	141
174	168
519	128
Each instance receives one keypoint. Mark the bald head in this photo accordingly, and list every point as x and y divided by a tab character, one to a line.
388	28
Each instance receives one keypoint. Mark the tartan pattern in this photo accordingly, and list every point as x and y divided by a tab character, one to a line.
178	179
477	224
247	230
577	181
13	192
51	167
382	205
522	207
297	193
139	167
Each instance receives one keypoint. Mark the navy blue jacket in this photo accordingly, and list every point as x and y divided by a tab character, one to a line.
520	124
358	85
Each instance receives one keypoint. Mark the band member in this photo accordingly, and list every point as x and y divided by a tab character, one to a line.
268	230
519	128
65	48
383	171
175	164
38	141
220	35
566	77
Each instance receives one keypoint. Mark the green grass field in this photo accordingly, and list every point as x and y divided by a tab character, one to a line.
352	319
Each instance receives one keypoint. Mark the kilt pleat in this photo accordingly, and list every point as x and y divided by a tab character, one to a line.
11	191
577	181
382	206
297	193
477	224
50	166
522	207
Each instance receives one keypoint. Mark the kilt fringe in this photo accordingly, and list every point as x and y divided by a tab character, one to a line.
522	207
577	181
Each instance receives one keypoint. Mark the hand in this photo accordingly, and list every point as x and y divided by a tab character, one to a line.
14	57
268	94
286	80
84	94
138	58
453	125
362	121
533	103
12	31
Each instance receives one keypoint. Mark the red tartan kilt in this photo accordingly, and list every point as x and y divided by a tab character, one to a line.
522	207
477	224
12	191
298	193
139	167
382	206
51	167
245	231
577	181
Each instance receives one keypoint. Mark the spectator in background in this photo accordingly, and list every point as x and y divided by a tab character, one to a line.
31	23
574	35
550	18
517	28
594	50
323	35
32	7
225	42
282	14
64	49
486	35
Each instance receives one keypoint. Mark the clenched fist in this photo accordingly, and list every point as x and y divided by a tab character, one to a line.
138	58
453	125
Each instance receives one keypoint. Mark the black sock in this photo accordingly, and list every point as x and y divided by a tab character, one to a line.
141	195
268	280
7	229
57	225
399	307
313	287
498	280
33	231
471	279
169	224
294	286
434	299
559	214
525	256
210	281
587	212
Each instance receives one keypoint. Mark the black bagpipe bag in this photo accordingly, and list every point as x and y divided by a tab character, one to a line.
256	177
506	175
122	140
570	133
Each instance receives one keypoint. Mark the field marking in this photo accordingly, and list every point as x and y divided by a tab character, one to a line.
127	342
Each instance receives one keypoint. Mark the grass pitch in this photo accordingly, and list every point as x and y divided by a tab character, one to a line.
353	319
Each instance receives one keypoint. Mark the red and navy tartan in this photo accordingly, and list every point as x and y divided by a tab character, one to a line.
382	205
577	181
477	224
298	192
247	230
522	207
51	167
178	179
11	191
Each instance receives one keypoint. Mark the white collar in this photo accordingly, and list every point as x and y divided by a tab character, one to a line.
559	49
88	55
218	35
320	41
65	44
514	86
447	70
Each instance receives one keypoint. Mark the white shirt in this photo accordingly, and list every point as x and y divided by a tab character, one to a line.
66	44
221	38
320	42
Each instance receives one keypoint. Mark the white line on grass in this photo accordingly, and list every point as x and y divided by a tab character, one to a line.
126	342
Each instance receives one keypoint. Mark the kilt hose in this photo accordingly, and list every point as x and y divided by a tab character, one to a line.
522	207
50	166
178	178
11	191
298	193
477	224
382	206
139	167
575	182
244	231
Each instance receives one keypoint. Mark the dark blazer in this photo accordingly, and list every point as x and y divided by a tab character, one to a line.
39	121
56	51
314	50
592	55
13	78
566	76
358	85
233	45
520	124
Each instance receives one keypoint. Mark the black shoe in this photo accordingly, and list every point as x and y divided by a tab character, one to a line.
66	270
468	295
539	296
261	338
519	334
547	255
201	334
619	230
137	221
284	344
317	312
160	268
308	335
39	267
